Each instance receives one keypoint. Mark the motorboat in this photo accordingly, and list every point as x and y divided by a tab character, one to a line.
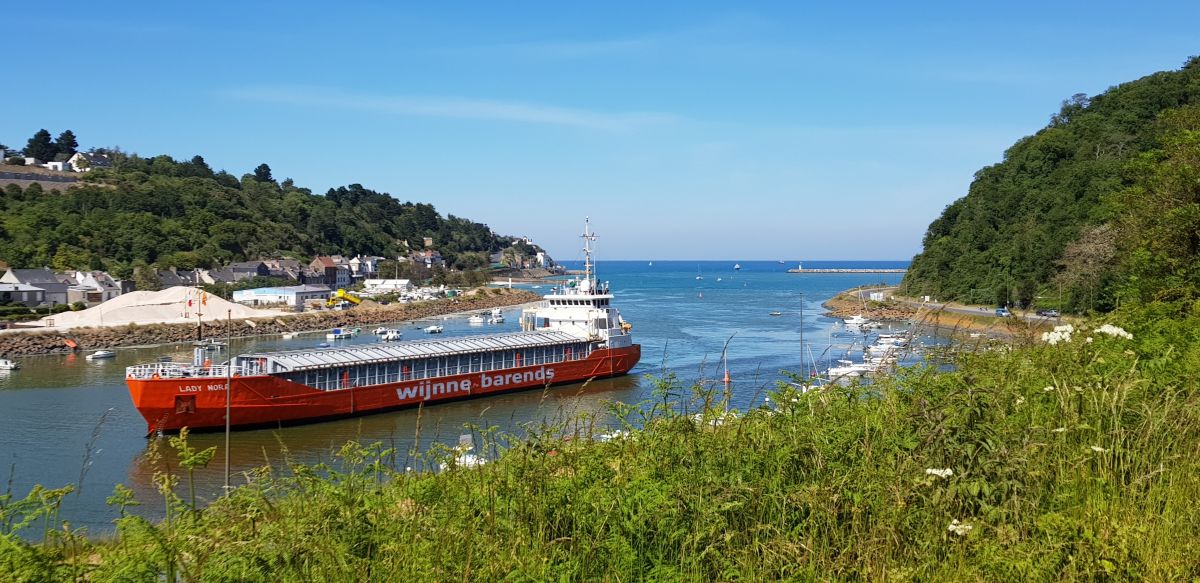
382	330
6	364
339	334
858	320
101	355
434	329
497	316
391	335
475	320
776	313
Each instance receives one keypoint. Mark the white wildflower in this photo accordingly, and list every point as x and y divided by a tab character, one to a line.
1047	389
1099	449
1115	331
1059	430
941	473
1059	334
1020	400
959	528
1088	339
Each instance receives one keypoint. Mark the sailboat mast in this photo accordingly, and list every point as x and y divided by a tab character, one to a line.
802	371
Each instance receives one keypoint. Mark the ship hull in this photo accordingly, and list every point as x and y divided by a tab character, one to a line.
199	404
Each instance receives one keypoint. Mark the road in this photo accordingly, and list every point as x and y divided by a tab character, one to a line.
952	307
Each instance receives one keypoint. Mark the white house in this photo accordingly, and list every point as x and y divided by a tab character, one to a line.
100	286
86	161
58	166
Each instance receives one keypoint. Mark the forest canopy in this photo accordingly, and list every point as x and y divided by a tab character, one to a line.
181	213
1070	217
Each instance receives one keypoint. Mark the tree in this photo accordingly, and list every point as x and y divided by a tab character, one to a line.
263	173
40	146
66	143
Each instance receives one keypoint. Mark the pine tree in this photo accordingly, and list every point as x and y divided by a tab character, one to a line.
263	173
40	146
66	144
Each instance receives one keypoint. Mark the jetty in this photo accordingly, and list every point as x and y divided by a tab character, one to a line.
841	270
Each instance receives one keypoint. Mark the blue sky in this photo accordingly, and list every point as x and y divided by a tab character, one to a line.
686	130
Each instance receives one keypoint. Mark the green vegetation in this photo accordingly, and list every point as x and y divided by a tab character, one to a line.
1064	211
160	211
1067	461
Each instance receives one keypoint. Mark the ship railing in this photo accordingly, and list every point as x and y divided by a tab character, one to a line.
175	370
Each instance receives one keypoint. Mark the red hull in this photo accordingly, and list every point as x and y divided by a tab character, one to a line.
168	405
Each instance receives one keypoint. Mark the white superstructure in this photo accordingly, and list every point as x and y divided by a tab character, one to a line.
581	307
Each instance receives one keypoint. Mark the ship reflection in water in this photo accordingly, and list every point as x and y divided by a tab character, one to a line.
319	442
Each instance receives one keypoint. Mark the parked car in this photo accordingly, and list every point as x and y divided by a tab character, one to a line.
1048	313
1003	312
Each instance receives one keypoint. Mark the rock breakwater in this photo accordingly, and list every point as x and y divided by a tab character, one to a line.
48	342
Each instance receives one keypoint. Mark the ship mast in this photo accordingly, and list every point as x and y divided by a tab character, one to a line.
588	237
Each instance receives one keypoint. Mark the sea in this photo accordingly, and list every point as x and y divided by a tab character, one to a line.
66	420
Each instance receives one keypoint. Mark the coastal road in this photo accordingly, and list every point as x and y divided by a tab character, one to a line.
952	307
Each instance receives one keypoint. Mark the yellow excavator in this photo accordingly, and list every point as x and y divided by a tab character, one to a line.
340	296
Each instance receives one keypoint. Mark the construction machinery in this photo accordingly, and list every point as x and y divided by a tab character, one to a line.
340	297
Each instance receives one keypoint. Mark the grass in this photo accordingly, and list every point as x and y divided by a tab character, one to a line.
1073	461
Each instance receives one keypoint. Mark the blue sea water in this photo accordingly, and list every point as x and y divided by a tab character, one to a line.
56	406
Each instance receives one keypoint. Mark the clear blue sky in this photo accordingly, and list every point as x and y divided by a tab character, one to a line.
703	130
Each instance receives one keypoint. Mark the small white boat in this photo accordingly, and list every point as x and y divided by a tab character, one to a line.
391	335
858	320
434	329
718	279
6	364
101	354
380	331
339	334
737	266
497	316
476	320
776	313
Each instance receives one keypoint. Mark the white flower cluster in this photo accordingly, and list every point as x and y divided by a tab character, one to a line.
959	528
1116	331
1059	334
941	473
1098	449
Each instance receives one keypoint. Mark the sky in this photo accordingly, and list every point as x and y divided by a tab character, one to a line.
685	130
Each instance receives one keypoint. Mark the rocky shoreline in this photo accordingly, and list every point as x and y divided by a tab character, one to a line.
845	305
41	342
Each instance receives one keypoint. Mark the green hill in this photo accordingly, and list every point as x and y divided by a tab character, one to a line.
1055	217
182	213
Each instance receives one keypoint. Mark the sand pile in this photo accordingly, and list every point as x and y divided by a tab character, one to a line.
170	306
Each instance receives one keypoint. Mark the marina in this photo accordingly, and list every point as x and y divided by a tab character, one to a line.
676	329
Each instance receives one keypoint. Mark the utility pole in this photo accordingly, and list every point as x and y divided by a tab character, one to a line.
228	388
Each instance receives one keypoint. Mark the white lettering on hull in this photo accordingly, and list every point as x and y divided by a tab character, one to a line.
433	389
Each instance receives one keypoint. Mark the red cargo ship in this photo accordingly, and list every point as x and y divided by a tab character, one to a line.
575	334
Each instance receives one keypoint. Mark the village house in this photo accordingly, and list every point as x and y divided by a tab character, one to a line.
86	161
429	258
19	293
364	266
337	275
53	284
93	287
172	277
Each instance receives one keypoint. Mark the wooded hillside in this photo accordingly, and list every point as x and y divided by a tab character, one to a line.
1058	216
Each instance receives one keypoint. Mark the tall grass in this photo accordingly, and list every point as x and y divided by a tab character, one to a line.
1074	461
